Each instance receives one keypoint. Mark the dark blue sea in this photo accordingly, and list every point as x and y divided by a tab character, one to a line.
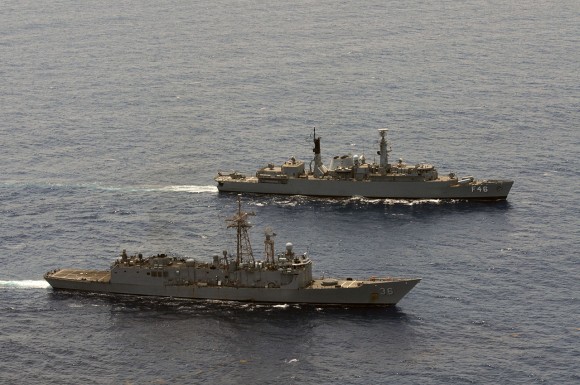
116	115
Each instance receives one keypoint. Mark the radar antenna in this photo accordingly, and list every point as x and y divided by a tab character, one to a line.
241	223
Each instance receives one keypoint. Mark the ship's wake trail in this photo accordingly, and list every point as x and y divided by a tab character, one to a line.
192	189
189	189
24	284
195	189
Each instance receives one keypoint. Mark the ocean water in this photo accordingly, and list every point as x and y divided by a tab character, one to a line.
115	117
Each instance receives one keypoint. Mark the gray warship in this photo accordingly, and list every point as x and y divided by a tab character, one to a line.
351	175
283	278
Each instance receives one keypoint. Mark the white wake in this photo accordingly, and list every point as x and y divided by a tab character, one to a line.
189	189
25	284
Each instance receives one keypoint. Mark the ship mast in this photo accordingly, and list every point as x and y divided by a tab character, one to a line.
384	152
319	168
269	245
241	223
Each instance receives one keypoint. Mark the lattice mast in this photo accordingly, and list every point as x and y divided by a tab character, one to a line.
241	224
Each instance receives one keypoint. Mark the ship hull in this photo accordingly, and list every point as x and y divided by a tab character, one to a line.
379	292
311	186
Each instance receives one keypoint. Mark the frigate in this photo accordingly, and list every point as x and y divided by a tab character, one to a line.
351	175
280	278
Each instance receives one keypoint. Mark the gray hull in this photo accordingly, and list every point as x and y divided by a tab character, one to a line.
279	278
378	292
311	186
350	175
